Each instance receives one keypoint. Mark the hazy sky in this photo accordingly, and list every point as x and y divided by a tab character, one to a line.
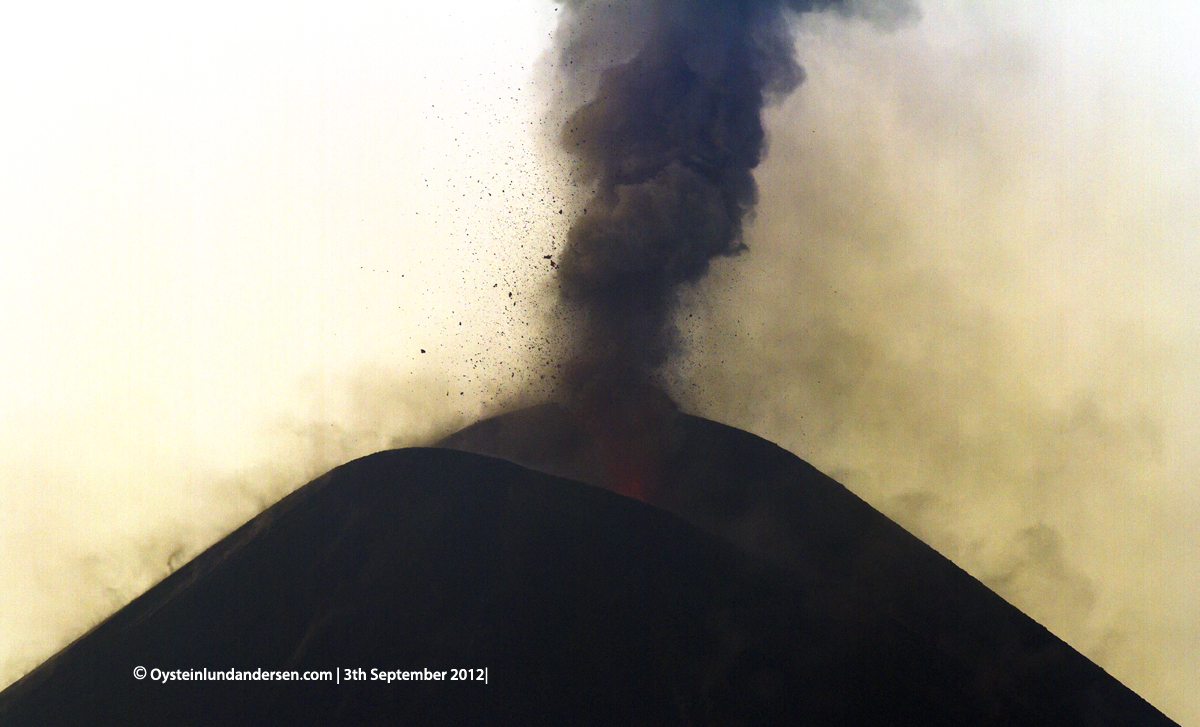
228	231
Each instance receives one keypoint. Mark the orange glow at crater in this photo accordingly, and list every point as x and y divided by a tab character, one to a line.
630	429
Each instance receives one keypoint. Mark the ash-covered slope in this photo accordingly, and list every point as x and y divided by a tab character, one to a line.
585	607
844	554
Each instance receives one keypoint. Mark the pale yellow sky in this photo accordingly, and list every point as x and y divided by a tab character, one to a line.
189	196
226	233
228	230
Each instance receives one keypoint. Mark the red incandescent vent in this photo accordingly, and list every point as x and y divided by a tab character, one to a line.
631	430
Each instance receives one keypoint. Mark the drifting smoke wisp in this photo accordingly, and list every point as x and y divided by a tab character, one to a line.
669	140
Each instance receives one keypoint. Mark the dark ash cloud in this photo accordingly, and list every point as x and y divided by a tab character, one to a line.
668	139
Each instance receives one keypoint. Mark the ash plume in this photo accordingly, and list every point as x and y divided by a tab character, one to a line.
666	136
669	141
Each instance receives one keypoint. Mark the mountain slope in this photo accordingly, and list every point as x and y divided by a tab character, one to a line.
584	606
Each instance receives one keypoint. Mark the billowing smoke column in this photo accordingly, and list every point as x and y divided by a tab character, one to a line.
669	140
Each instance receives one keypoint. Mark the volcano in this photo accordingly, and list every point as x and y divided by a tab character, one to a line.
744	587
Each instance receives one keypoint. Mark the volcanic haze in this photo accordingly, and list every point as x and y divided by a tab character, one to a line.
239	246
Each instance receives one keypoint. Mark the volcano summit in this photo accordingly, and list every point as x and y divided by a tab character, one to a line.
771	596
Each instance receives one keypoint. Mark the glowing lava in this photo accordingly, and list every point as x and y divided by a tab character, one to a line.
633	431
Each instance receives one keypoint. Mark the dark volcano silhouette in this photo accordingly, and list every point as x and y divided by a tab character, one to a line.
785	600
